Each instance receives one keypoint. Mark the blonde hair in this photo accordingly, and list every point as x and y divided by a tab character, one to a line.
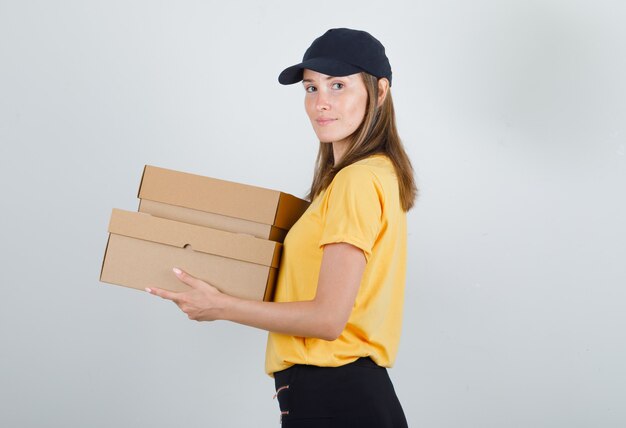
376	134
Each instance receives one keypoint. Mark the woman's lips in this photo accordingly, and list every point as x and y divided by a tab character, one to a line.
324	121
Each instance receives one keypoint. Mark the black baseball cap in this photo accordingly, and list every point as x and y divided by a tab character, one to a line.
341	52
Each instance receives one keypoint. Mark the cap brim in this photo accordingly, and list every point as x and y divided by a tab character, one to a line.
327	66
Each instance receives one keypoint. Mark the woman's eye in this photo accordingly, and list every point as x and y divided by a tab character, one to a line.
310	89
337	85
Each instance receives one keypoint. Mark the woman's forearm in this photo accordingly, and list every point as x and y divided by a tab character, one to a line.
305	319
325	316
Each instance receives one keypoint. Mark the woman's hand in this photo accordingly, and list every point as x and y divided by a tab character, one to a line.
202	302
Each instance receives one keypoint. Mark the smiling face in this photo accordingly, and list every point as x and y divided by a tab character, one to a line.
335	105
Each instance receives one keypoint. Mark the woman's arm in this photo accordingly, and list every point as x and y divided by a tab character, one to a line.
323	317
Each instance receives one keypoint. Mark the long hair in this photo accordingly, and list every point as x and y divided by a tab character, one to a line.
377	133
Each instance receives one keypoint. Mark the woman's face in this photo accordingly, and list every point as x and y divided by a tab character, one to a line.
335	105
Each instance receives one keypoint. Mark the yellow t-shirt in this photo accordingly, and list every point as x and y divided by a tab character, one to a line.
361	207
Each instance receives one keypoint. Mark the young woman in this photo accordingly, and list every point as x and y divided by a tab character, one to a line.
335	323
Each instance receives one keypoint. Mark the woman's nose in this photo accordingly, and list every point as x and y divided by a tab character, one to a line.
322	101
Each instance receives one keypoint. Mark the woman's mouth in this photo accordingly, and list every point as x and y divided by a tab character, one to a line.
324	121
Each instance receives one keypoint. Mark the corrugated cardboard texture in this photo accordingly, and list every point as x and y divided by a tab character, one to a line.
221	197
136	263
212	220
142	249
211	241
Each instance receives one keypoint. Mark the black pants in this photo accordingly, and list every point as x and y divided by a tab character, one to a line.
359	394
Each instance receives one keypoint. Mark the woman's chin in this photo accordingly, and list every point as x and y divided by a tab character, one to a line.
328	139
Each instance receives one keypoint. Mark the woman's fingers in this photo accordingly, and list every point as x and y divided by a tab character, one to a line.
164	294
191	281
184	277
198	302
201	302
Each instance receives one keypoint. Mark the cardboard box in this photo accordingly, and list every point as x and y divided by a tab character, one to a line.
142	250
218	204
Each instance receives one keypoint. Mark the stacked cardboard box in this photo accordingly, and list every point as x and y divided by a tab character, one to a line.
228	234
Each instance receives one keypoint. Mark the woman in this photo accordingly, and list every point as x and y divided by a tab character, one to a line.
335	322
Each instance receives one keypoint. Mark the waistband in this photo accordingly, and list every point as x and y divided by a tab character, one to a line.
360	362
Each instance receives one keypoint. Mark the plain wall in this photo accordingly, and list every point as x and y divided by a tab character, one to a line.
513	115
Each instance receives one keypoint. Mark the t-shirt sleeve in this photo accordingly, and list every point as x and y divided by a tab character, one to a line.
353	209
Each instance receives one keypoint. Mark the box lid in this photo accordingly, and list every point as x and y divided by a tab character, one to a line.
199	238
222	197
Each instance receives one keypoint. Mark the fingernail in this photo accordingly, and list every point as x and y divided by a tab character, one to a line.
177	271
148	290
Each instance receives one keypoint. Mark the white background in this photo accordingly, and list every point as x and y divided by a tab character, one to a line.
512	112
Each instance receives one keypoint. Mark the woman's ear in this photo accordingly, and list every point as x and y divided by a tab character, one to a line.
383	88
